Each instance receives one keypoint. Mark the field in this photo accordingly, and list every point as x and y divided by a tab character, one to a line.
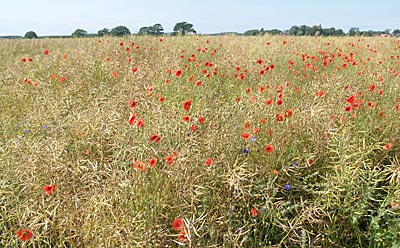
200	141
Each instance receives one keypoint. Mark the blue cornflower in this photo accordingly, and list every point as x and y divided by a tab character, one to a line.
246	151
254	138
26	131
288	187
43	126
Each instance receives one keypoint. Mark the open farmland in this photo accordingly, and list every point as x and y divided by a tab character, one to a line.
200	141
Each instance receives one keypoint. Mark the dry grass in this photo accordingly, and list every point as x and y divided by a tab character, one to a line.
328	183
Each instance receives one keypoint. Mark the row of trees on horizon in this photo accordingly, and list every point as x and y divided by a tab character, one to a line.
183	28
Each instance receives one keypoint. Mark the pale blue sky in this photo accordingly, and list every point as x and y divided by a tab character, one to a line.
52	17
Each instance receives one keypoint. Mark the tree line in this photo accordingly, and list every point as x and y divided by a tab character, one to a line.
180	28
183	28
305	30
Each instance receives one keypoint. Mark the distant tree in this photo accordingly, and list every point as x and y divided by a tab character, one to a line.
316	30
274	31
120	31
293	30
396	33
30	35
144	31
354	32
328	31
183	28
156	29
79	33
339	32
104	31
252	32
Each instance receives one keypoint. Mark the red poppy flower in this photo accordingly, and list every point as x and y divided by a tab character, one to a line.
133	104
115	74
209	161
139	165
182	236
372	87
186	118
155	138
132	118
46	52
245	135
348	109
191	78
388	146
259	61
171	158
269	149
87	152
200	119
288	113
269	101
254	212
351	99
198	83
279	117
279	102
48	189
371	105
178	73
152	162
134	69
24	60
140	122
161	99
193	128
186	104
24	235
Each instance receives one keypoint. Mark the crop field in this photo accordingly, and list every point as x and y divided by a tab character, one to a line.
200	141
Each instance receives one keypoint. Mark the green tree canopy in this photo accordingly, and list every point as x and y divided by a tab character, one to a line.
183	28
156	29
354	31
30	35
252	32
79	33
104	31
120	31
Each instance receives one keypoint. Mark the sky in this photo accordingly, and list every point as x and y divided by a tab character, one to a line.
55	17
